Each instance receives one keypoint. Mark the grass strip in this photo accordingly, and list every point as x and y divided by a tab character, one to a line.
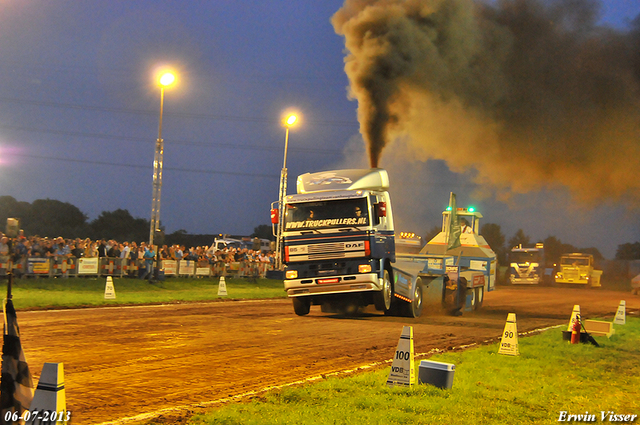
549	377
89	292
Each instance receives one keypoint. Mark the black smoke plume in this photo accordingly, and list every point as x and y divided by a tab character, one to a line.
523	94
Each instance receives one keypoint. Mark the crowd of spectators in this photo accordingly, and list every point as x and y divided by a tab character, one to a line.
24	247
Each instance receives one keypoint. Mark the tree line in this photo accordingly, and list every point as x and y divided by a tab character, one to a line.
52	218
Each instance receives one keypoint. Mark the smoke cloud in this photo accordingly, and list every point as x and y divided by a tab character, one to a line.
522	94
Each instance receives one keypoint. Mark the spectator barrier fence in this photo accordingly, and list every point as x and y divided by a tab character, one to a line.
65	267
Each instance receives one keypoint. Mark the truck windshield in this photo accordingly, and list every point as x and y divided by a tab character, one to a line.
572	261
326	214
525	257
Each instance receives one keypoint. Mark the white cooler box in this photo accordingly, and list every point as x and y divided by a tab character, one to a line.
436	373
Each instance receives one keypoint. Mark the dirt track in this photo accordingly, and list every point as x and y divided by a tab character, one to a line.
123	362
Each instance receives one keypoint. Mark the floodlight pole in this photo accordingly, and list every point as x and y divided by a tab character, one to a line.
281	198
157	176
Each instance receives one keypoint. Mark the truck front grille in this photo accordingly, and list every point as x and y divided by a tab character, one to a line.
572	275
326	251
327	248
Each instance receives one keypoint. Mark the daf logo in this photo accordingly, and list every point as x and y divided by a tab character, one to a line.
353	245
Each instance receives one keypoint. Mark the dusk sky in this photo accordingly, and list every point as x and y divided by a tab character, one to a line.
79	113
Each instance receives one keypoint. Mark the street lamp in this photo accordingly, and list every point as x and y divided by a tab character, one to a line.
166	79
289	121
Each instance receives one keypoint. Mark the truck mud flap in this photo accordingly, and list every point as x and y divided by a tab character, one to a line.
454	296
433	291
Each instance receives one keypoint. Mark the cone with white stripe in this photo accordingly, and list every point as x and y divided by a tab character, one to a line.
403	372
509	340
109	289
50	394
222	287
620	318
574	316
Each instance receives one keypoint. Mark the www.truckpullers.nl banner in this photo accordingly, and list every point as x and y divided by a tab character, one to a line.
310	224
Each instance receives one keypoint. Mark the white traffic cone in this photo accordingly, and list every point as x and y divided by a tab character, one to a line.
574	316
402	369
509	341
49	404
620	318
222	287
109	290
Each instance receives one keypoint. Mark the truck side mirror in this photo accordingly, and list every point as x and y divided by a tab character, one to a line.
275	217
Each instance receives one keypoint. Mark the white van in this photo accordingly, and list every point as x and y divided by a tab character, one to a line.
222	244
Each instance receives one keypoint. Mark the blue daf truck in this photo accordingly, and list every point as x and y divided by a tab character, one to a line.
339	252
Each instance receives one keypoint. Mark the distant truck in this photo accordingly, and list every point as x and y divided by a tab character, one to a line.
528	266
339	252
578	268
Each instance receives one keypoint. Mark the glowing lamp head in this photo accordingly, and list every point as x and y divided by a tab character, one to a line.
291	120
167	79
471	209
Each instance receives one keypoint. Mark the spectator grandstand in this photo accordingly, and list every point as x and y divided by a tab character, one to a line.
35	256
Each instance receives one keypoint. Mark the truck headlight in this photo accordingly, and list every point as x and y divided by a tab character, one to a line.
364	268
291	274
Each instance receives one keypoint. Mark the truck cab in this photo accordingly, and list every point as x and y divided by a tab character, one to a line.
527	265
474	253
338	240
578	268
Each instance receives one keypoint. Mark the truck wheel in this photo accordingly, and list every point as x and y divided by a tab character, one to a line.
382	299
301	306
479	297
415	307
